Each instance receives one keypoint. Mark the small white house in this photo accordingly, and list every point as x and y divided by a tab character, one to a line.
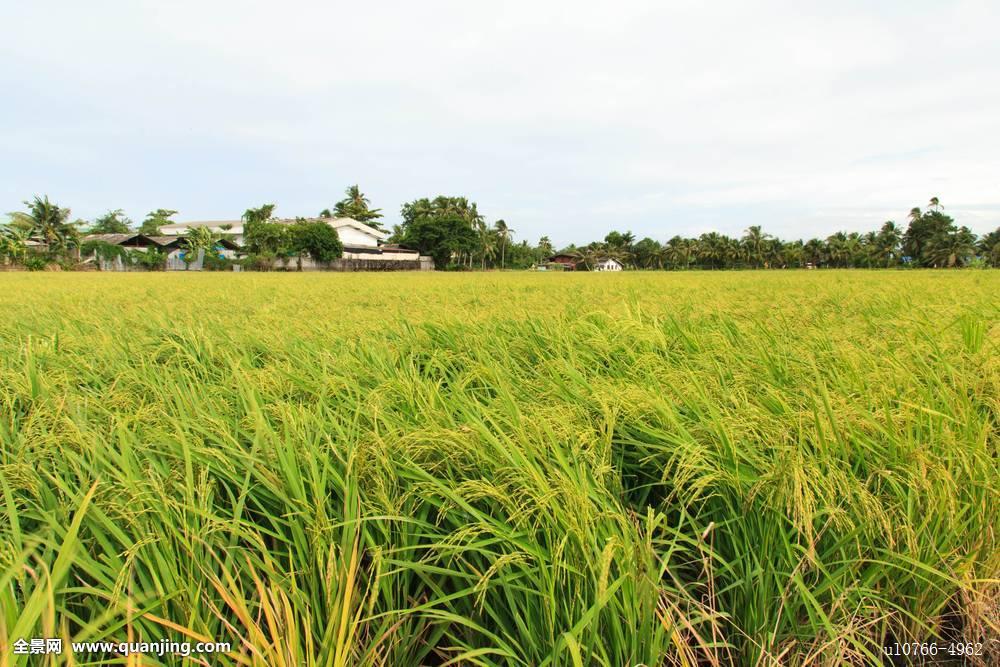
608	264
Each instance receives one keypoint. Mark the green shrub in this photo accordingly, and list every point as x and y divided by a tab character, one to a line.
35	263
215	262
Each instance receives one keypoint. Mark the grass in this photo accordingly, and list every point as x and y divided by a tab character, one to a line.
404	469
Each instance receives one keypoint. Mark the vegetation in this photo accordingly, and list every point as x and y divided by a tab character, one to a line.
156	219
13	244
48	223
105	253
151	259
457	236
931	240
266	242
112	222
686	468
443	228
355	205
204	243
315	239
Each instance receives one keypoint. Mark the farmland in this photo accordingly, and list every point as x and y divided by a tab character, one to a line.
672	468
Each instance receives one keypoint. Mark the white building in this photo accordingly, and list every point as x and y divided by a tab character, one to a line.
351	232
361	242
608	264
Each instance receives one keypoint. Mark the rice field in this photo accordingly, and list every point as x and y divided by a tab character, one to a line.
754	468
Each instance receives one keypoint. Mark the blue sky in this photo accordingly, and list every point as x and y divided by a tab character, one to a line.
564	118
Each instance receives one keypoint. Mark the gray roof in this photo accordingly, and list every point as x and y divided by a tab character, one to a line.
113	239
165	240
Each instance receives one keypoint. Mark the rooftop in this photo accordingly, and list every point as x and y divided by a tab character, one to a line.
176	227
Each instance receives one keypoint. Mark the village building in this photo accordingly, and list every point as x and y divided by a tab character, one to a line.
566	261
173	246
608	264
364	246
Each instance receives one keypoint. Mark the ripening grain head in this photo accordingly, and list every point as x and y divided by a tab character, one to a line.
723	468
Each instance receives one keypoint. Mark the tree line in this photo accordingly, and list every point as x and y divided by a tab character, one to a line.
44	235
458	237
452	230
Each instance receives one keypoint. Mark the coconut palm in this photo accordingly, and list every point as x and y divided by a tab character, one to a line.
887	243
504	234
837	250
544	248
733	252
13	243
357	206
46	223
754	241
487	242
678	252
793	253
951	249
711	249
813	251
989	247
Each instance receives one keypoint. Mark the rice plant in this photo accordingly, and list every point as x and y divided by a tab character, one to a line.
667	469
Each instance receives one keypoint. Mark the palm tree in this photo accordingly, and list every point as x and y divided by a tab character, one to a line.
773	253
836	249
487	242
951	249
854	248
754	240
678	252
813	250
13	243
935	204
711	249
793	253
47	223
357	206
589	256
733	252
199	240
887	241
627	248
505	234
989	246
545	248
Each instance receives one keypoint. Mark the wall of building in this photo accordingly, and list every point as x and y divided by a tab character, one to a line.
351	236
363	262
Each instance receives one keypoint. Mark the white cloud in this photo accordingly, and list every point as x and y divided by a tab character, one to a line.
564	118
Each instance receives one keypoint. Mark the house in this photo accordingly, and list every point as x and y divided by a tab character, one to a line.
364	246
351	232
173	246
608	264
567	261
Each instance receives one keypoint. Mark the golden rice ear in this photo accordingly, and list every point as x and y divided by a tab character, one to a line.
687	468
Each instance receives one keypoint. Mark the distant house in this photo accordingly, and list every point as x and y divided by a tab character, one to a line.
351	232
608	264
173	246
362	243
567	261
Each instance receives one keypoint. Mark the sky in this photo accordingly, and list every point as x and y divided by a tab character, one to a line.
566	119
